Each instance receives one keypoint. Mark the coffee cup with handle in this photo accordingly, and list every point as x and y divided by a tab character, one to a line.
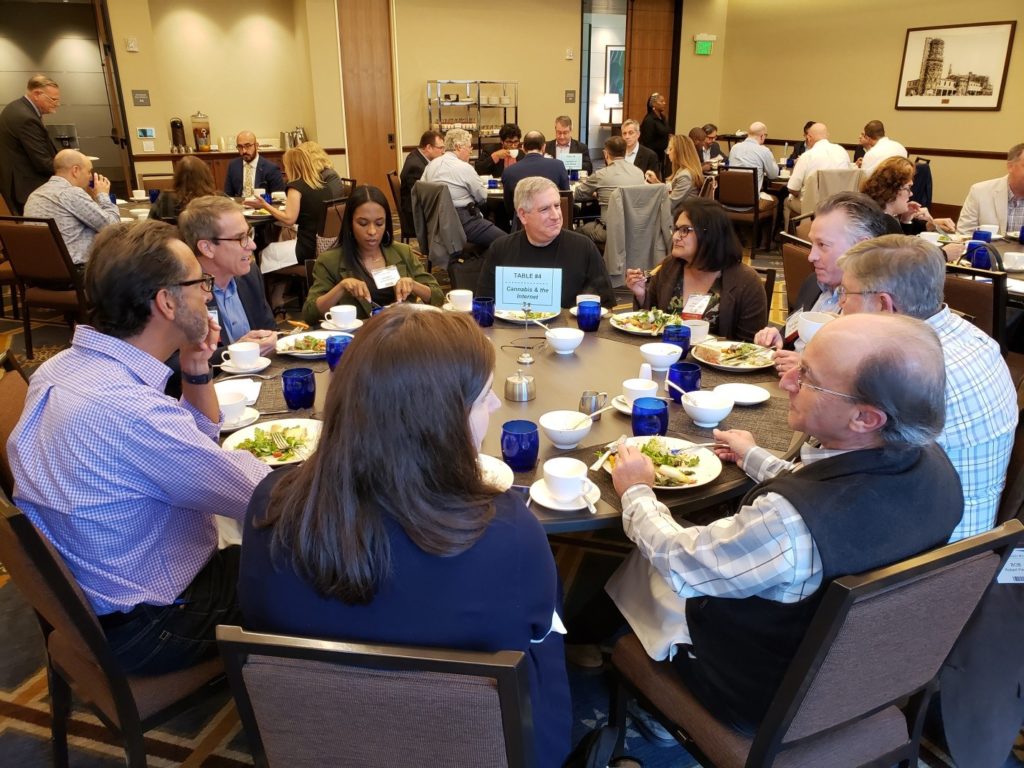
242	355
460	299
341	315
566	478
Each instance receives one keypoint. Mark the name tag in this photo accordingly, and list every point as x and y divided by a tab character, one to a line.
386	278
214	315
696	306
793	325
1013	571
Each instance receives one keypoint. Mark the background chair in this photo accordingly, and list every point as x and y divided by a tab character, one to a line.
13	390
306	702
568	210
795	266
825	183
161	181
7	277
740	196
862	678
78	656
405	222
769	283
922	192
980	295
46	275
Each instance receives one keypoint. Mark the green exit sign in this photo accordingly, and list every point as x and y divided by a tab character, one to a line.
702	47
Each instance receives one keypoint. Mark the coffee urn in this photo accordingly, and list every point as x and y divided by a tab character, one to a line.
178	135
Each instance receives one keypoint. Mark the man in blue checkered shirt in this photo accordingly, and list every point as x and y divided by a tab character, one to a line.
125	481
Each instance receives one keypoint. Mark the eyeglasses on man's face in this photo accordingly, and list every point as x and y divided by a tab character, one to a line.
842	292
242	240
206	282
801	382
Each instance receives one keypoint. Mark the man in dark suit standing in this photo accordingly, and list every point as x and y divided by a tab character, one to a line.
533	163
564	143
249	171
431	146
26	152
636	153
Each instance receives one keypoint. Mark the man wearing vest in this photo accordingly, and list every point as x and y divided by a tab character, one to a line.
870	489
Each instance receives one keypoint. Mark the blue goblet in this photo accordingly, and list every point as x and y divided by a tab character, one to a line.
686	376
299	387
483	311
153	195
588	315
678	335
520	442
336	348
650	416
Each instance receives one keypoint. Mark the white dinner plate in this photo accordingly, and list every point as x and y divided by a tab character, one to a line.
312	427
700	352
286	344
708	469
248	387
574	311
262	363
249	416
540	494
619	322
495	472
743	394
328	325
518	316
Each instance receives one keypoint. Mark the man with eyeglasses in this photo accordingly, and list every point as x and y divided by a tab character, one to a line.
124	481
26	151
565	144
730	602
250	170
215	229
431	146
493	161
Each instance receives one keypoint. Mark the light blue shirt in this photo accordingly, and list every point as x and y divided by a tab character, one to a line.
231	314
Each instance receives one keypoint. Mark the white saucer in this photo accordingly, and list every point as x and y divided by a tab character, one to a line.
249	416
143	199
449	307
262	364
539	493
620	405
743	394
327	325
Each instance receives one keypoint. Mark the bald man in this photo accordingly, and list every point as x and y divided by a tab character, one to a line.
752	153
77	199
821	155
249	171
26	152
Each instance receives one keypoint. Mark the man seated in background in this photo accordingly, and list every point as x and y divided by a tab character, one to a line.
543	243
533	163
494	162
905	275
431	146
997	201
752	153
636	153
700	142
565	144
218	234
878	146
250	170
617	172
821	155
712	148
77	199
125	481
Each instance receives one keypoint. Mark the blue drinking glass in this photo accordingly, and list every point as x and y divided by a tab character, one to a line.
299	386
336	348
113	198
678	335
684	375
978	254
588	315
153	195
483	311
574	175
650	416
520	442
982	234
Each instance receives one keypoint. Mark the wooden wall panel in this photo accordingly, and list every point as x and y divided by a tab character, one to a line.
650	29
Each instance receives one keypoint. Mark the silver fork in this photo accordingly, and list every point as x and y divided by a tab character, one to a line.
279	441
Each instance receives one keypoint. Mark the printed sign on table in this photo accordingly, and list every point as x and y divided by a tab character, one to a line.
540	288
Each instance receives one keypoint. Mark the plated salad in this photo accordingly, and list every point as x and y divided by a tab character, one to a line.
672	466
262	445
651	321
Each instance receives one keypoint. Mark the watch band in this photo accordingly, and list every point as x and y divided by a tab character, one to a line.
202	378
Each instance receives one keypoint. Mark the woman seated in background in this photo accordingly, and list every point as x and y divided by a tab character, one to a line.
704	275
369	267
192	179
686	177
389	533
322	165
890	186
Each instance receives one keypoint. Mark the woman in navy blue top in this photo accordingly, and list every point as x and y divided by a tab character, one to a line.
388	533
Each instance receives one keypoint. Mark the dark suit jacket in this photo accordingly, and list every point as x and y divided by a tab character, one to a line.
268	176
715	150
26	153
487	167
254	301
412	172
532	165
574	146
646	160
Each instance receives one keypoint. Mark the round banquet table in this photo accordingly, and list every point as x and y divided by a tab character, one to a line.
602	362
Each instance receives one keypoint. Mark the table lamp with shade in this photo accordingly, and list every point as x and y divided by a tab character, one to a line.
611	101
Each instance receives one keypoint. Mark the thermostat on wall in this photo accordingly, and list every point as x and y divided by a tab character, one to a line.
146	133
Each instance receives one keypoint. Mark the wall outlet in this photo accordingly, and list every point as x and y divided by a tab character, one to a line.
149	146
131	45
570	54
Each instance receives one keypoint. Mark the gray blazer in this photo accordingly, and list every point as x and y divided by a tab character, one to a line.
438	228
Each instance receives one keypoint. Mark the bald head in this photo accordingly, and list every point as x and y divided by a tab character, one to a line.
757	128
247	145
72	165
816	132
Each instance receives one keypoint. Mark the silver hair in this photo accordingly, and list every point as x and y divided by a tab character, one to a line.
1015	152
911	270
456	138
529	188
864	218
632	122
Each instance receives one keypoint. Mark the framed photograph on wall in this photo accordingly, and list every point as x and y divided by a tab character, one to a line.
615	69
955	67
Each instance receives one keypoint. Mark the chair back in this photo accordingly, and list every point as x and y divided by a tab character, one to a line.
13	391
1011	503
707	188
795	266
404	218
333	213
5	209
348	186
438	227
769	283
309	265
922	192
980	296
38	255
306	702
161	181
565	200
737	188
880	637
822	184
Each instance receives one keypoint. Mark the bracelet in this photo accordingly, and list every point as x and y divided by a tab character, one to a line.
201	378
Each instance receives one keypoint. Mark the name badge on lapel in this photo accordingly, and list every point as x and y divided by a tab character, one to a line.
386	277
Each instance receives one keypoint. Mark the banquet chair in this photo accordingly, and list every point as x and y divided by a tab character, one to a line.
404	220
46	275
13	390
306	702
822	184
7	277
568	209
78	657
162	181
768	273
980	294
708	187
857	690
740	196
795	266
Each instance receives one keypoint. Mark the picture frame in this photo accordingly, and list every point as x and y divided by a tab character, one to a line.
615	69
955	67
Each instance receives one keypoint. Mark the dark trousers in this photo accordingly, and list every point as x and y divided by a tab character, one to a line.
479	231
155	639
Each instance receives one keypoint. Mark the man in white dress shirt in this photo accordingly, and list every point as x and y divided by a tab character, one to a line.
821	155
879	146
752	153
997	201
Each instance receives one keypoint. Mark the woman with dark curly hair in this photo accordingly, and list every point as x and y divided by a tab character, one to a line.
192	179
890	186
706	265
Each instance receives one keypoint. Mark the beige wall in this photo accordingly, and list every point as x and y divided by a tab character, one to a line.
788	61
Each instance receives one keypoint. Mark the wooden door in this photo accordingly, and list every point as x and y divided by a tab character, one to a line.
364	29
652	58
118	123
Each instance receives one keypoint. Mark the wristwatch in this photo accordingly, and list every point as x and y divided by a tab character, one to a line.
199	378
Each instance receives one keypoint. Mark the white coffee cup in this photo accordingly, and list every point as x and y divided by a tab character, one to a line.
259	191
566	479
698	330
460	299
810	323
581	297
232	405
514	152
634	388
139	194
993	228
242	355
931	237
342	315
1013	260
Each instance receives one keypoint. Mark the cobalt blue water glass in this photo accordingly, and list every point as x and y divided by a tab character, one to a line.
978	254
588	315
520	441
336	348
483	311
685	375
153	195
299	387
650	416
678	335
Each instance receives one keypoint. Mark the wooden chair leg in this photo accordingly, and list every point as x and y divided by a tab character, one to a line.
28	332
135	749
618	699
14	302
60	707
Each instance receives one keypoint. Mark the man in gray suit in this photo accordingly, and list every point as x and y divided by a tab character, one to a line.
26	152
616	173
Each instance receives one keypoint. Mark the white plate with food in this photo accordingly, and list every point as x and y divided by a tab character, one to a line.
301	436
253	213
310	345
574	311
518	316
734	355
646	322
675	467
743	394
495	472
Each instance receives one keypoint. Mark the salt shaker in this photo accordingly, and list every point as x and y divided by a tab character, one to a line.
645	372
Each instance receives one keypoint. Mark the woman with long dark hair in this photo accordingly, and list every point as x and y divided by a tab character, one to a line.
706	261
364	269
192	179
389	533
